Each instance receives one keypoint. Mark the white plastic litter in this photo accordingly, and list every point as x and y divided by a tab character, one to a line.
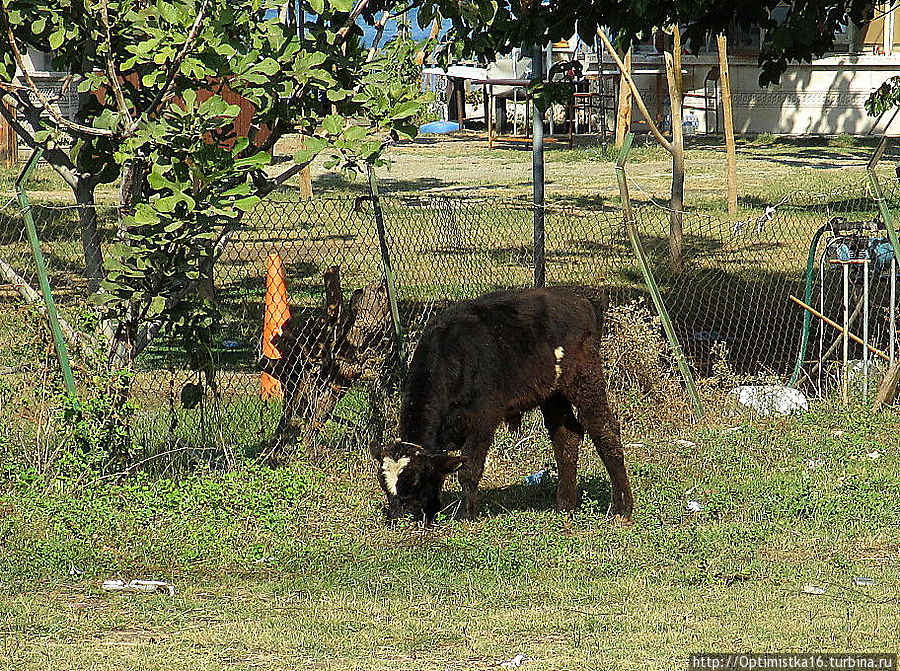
815	464
810	588
694	507
138	586
513	663
684	443
770	399
874	455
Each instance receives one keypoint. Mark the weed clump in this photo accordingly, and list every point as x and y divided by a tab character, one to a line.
640	369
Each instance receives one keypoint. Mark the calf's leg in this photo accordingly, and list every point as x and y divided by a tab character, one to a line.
588	394
475	449
566	434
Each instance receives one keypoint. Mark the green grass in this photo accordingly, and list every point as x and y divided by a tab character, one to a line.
293	569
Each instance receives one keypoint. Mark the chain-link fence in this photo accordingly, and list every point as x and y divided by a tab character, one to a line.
340	366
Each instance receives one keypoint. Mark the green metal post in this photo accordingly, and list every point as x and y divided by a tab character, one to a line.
652	286
43	277
388	270
886	214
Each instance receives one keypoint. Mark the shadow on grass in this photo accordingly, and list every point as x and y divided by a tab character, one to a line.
593	489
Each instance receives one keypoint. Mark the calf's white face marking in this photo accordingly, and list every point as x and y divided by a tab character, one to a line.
559	352
392	470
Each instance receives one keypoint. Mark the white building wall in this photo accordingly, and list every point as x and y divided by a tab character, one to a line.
824	97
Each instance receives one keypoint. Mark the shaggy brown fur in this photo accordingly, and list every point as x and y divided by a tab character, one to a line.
486	361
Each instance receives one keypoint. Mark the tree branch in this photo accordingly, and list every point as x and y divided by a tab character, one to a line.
55	157
358	9
272	183
635	92
111	71
173	69
59	118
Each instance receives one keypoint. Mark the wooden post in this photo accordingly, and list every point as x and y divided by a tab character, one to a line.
725	82
676	202
9	142
304	179
623	116
676	57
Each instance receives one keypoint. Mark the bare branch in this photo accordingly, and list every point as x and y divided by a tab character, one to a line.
635	92
379	31
272	183
32	87
351	20
173	69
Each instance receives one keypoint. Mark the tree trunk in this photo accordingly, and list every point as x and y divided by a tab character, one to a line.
90	235
676	202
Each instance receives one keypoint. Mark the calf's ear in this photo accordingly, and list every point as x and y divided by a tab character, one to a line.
450	464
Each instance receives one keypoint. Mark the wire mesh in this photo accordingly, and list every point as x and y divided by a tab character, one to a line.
339	370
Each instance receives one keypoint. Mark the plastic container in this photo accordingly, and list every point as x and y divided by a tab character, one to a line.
439	127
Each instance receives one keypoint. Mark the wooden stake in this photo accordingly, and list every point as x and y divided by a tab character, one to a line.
9	147
623	115
304	179
855	338
676	201
731	157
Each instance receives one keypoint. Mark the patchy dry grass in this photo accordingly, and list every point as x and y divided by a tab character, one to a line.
767	169
293	569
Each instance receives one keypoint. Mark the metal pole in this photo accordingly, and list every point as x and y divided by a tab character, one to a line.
866	327
388	270
537	177
846	336
43	276
652	287
893	309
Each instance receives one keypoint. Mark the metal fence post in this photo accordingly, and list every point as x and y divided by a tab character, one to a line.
537	176
652	287
41	267
388	270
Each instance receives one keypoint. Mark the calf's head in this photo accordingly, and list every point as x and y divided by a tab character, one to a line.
413	478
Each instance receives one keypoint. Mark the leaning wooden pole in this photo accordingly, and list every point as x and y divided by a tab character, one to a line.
725	82
652	287
623	113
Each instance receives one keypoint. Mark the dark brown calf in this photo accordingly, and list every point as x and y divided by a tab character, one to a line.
486	361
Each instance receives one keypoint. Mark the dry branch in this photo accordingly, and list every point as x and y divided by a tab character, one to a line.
74	338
